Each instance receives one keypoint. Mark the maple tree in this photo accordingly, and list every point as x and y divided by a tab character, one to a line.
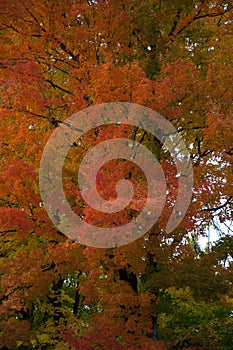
162	291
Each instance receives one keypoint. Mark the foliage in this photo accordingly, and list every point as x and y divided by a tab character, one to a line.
162	291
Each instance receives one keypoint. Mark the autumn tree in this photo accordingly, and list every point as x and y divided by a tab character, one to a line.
162	291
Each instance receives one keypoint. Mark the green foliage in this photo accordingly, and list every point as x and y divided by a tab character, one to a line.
185	322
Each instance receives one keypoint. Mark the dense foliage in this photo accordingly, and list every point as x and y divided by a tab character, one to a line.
161	291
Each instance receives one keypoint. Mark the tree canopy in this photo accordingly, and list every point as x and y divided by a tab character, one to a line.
163	291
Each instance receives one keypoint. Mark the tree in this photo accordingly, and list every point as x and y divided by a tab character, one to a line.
161	291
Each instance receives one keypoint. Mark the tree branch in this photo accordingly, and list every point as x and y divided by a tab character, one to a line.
58	87
220	206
